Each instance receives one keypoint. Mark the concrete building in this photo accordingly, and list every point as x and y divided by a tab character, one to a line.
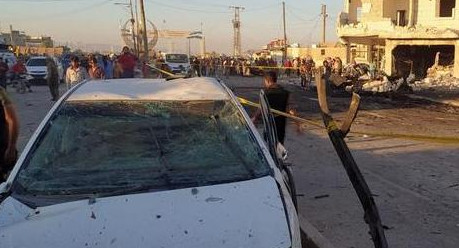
19	38
318	54
401	36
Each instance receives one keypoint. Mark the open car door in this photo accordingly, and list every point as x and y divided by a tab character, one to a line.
276	149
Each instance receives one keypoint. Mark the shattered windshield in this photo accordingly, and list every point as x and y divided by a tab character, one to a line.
105	147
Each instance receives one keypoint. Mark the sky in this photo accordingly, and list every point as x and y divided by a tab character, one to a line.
89	22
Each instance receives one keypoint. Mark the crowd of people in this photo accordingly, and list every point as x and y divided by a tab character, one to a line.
97	67
101	67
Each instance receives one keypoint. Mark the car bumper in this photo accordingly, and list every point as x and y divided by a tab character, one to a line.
38	78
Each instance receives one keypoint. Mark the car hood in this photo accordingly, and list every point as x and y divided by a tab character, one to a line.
36	69
242	214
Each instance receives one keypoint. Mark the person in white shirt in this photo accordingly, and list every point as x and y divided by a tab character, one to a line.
75	73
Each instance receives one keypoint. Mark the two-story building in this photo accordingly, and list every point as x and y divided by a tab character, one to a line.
400	36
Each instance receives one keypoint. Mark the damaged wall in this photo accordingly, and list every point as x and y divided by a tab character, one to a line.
422	53
418	59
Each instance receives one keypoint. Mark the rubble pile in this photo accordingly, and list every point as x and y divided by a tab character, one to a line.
437	77
384	85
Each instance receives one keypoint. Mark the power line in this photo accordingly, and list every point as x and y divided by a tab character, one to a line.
188	9
301	18
263	8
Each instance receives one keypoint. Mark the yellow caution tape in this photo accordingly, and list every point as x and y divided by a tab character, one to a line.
261	67
161	70
332	126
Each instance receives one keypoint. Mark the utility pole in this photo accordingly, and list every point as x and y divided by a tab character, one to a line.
324	20
137	27
284	52
144	31
237	30
134	41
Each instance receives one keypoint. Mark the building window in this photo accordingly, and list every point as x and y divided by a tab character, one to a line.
322	52
401	19
446	8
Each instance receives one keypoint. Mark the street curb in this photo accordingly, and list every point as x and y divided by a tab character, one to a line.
311	237
447	102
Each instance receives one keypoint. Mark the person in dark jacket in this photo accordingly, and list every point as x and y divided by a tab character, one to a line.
53	79
278	99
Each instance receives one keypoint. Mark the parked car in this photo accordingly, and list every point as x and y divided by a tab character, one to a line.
149	162
36	68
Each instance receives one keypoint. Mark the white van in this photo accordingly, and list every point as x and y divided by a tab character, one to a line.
178	63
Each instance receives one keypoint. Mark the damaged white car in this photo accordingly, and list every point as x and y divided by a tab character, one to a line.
149	163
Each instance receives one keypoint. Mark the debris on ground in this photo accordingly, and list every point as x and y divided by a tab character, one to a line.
437	76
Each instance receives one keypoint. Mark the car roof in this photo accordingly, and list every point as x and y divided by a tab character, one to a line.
190	89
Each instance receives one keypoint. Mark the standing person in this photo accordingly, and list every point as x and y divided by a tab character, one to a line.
337	66
53	79
3	70
75	73
309	70
19	69
278	99
95	71
296	70
108	67
288	67
197	66
127	61
117	70
9	131
303	72
226	68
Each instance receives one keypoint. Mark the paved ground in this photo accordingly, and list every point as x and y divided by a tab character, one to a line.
415	183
